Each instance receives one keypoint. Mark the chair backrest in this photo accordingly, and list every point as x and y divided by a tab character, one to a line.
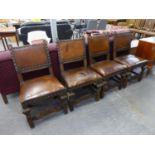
91	24
102	24
122	42
70	51
31	58
98	46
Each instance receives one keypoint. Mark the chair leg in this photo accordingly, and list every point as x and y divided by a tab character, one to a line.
102	92
63	100
120	85
27	112
4	97
99	90
141	73
148	70
124	80
98	94
71	100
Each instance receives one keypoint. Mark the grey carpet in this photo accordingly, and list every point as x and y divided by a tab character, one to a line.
126	111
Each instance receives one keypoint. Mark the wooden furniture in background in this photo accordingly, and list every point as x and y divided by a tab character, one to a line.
148	25
34	93
115	21
146	50
143	28
8	32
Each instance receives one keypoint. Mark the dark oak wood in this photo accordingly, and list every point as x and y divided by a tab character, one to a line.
8	32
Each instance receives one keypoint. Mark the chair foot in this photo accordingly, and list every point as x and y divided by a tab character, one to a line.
120	83
4	97
71	107
27	112
99	89
98	93
120	86
124	80
63	99
65	109
141	74
102	92
71	100
148	71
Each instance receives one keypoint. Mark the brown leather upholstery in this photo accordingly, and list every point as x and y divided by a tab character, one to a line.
122	42
130	60
79	76
98	44
71	50
29	58
38	87
107	68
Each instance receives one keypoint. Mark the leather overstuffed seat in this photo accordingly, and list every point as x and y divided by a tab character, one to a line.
107	67
38	87
130	60
79	76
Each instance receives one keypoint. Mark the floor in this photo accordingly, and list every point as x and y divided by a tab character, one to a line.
126	111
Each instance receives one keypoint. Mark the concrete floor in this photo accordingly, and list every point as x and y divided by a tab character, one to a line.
126	111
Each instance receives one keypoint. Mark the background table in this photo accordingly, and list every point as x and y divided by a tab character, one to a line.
8	32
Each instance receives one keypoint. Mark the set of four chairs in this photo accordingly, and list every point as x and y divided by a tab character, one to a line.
79	82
